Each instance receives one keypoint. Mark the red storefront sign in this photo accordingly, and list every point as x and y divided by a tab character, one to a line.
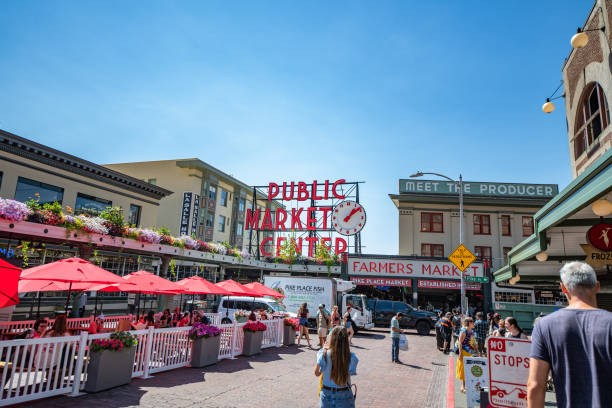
381	281
440	284
600	236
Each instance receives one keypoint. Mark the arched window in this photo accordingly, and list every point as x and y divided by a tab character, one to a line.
592	118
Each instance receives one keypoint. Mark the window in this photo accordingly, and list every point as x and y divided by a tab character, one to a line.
90	204
401	307
483	252
27	190
527	226
592	117
506	250
434	250
222	223
212	192
152	181
482	224
239	229
223	198
241	203
431	222
513	297
0	179
505	221
134	218
210	220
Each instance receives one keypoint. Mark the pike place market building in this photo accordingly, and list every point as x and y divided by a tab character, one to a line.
497	216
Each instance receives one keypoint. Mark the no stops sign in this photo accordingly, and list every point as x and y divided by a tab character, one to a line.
508	372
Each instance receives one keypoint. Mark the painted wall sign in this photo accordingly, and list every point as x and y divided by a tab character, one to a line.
596	258
600	236
409	267
440	284
185	213
358	280
196	212
474	188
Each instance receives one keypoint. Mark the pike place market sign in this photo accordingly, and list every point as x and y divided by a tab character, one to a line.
409	268
475	188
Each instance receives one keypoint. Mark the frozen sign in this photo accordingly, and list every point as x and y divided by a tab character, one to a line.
409	267
508	372
478	188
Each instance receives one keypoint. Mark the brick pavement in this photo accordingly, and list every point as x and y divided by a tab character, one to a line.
284	377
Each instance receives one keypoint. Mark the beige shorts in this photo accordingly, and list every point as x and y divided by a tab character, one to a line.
322	332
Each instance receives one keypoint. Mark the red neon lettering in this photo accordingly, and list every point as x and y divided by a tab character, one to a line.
372	266
339	249
445	270
400	268
311	221
262	247
325	211
285	195
314	191
391	267
326	195
302	192
252	219
338	196
382	267
279	243
409	268
272	191
364	266
295	219
312	241
281	217
266	223
355	265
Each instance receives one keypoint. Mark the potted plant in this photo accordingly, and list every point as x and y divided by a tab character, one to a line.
241	316
289	328
206	343
111	361
253	336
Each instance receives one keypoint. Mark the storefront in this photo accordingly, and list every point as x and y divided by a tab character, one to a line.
428	283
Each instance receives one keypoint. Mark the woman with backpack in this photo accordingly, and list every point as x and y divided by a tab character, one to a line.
335	365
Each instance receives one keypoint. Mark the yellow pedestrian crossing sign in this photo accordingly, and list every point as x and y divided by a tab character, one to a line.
462	257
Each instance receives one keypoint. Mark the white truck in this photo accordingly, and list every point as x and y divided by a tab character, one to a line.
315	291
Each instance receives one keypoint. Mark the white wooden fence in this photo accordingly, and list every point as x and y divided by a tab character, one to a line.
39	368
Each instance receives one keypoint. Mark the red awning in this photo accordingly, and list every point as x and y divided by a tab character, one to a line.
198	285
263	289
8	284
237	289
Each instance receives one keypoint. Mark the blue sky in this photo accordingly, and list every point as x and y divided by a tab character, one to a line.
282	91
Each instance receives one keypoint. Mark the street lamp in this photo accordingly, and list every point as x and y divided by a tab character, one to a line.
460	185
580	39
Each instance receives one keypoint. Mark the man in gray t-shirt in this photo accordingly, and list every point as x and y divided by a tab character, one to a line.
576	344
395	337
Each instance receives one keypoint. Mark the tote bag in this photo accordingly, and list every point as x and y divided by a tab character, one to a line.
403	343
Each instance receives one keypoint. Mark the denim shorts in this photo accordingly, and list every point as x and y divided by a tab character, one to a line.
303	321
336	399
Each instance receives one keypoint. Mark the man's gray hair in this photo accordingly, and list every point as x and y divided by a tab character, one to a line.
577	274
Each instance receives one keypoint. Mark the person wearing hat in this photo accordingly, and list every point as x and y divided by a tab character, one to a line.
395	337
323	321
97	325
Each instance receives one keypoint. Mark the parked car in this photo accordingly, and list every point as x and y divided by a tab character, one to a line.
231	304
384	310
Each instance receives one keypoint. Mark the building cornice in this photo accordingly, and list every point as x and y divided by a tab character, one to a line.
468	200
31	150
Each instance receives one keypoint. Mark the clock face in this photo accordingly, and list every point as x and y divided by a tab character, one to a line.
348	217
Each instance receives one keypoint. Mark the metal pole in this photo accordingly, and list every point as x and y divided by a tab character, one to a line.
461	241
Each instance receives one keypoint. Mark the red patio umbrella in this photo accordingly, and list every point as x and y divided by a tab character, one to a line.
264	290
71	270
8	284
198	285
237	289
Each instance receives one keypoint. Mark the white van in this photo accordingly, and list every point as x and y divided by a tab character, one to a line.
230	304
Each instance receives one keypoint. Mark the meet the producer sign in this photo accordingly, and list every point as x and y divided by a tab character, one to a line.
409	267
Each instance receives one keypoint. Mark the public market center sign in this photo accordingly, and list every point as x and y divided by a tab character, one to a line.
475	188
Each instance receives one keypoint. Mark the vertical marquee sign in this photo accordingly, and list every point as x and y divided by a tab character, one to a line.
185	213
196	212
304	213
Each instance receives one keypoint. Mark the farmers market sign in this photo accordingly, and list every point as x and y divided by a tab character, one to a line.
409	267
474	188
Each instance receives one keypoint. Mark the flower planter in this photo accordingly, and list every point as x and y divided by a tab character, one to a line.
205	351
252	343
241	319
288	335
109	369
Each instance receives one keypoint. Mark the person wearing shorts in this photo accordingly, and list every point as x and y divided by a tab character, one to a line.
323	320
303	315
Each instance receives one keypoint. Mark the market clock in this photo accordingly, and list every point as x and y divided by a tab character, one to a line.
348	217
